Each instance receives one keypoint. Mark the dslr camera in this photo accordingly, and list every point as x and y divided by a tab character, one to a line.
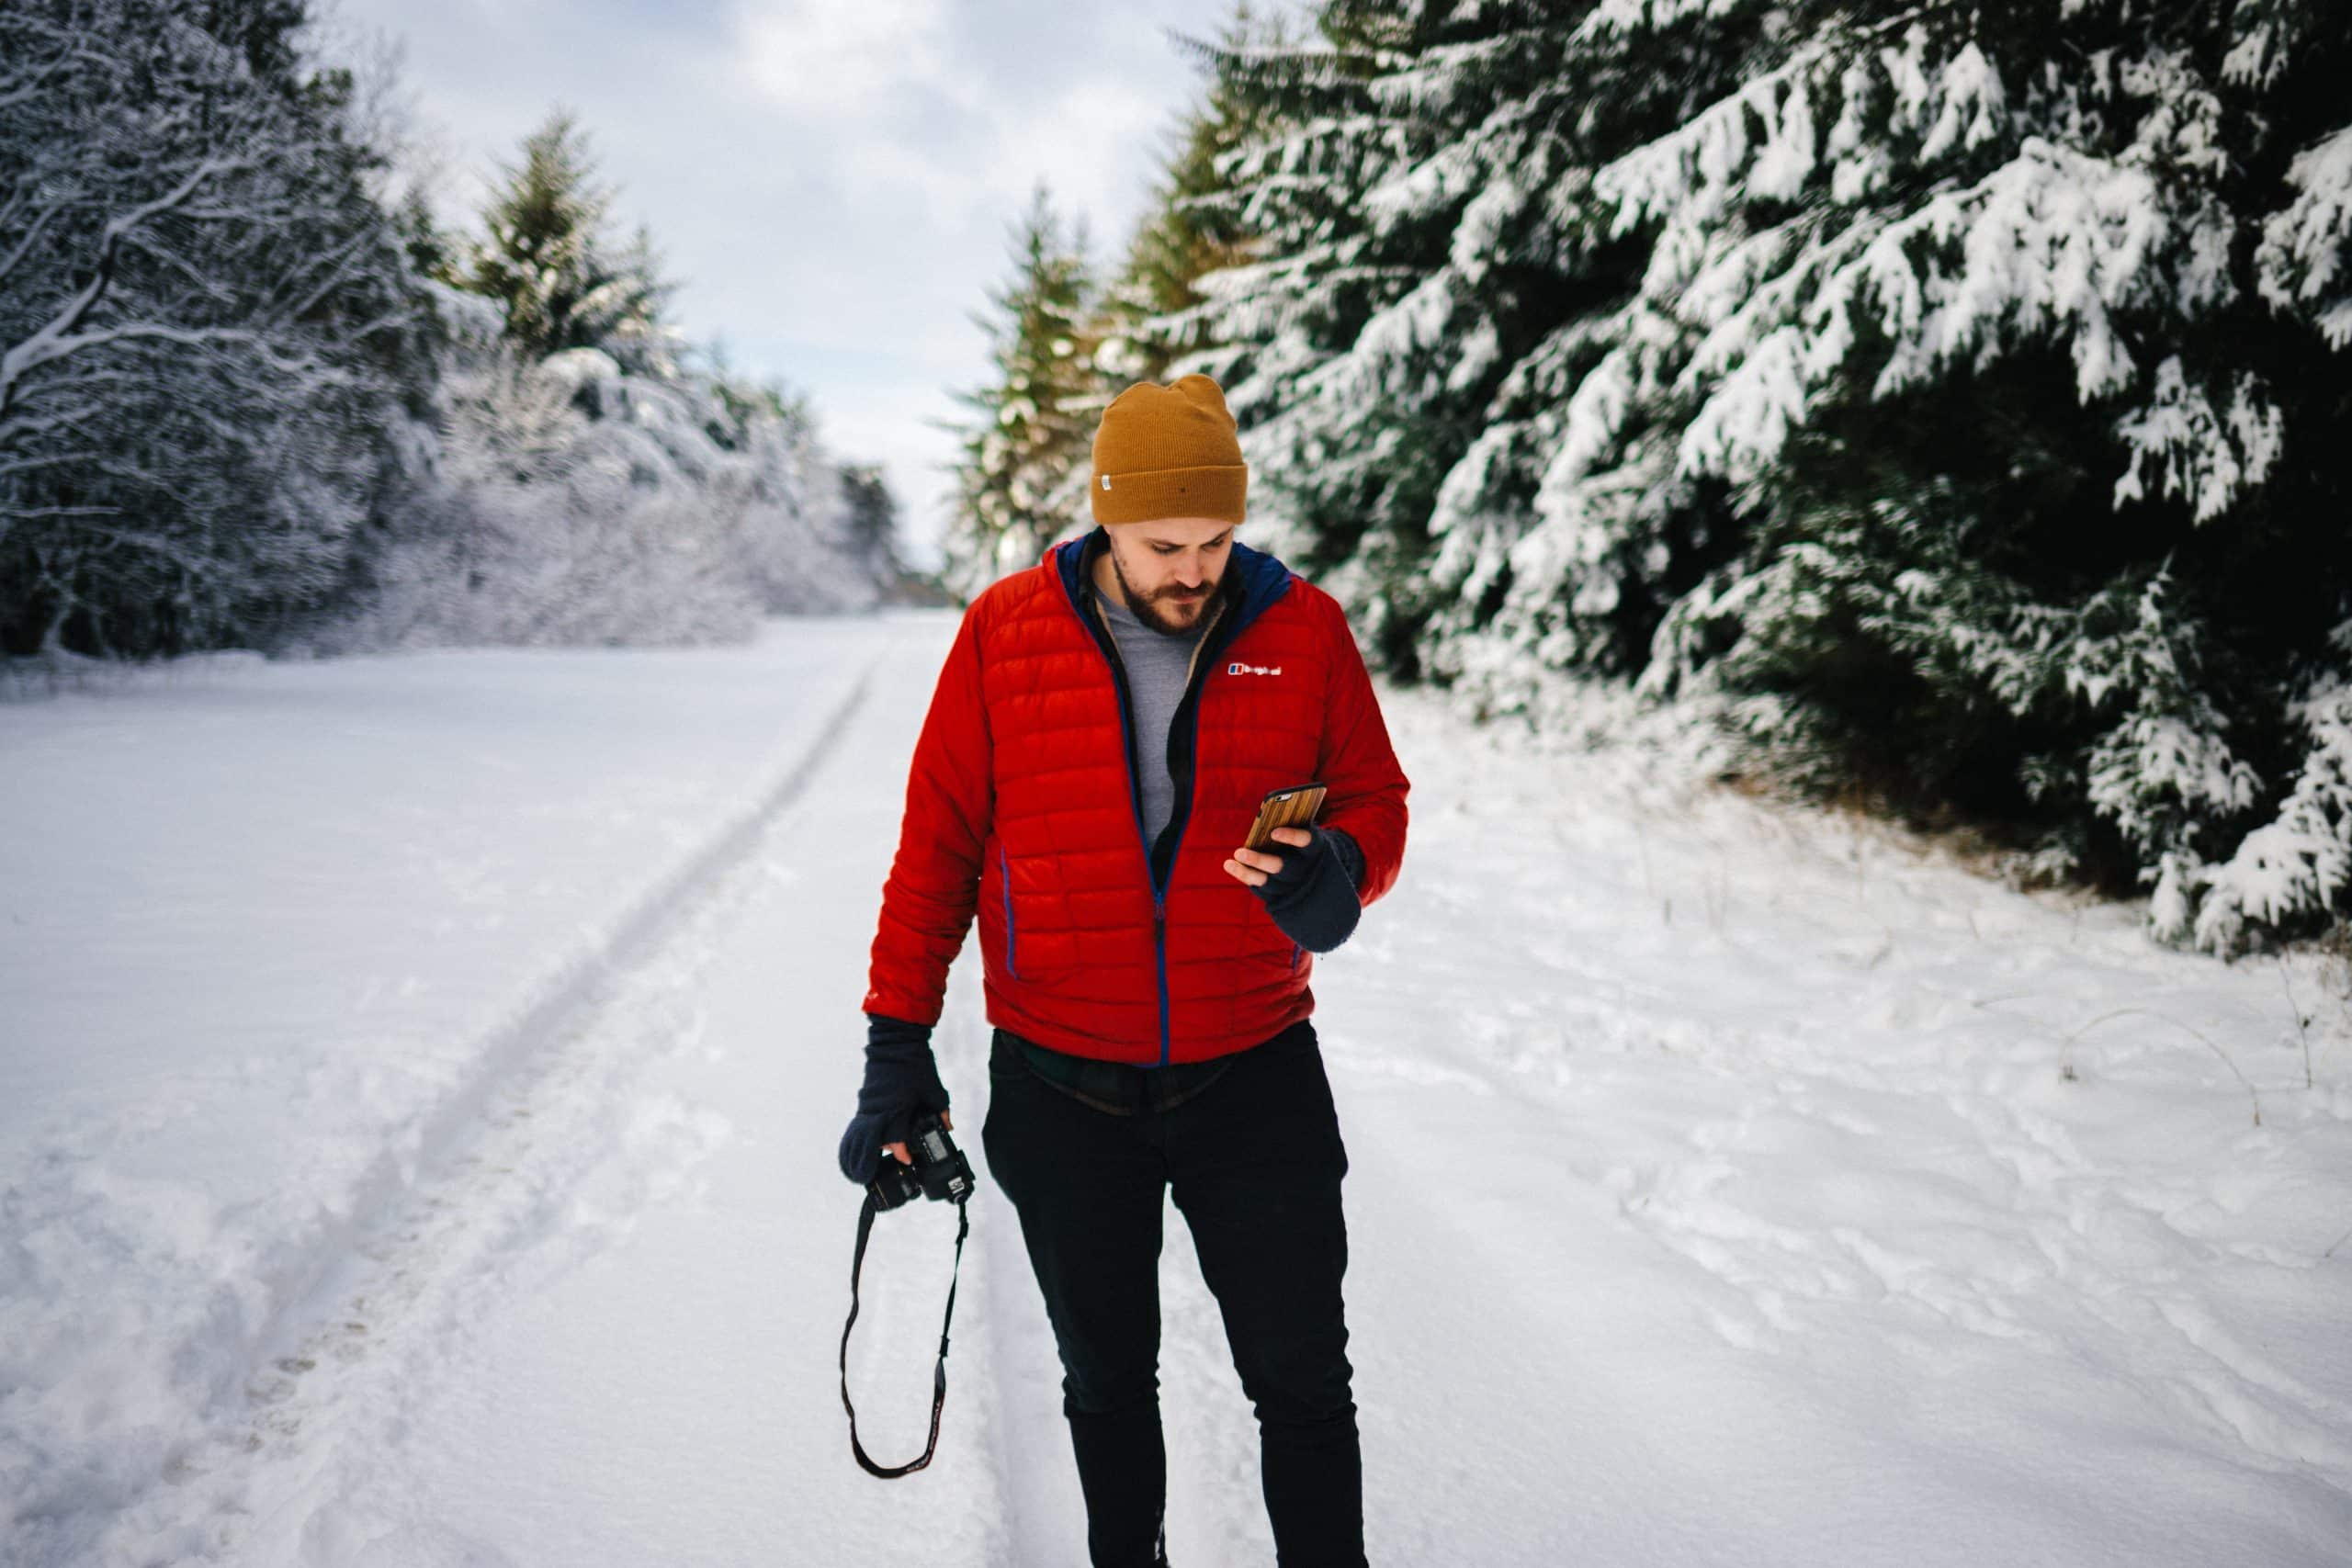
935	1169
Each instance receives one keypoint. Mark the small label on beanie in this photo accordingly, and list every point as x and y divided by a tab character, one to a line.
1106	481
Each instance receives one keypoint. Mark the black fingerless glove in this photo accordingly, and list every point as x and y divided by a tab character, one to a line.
1312	897
901	1083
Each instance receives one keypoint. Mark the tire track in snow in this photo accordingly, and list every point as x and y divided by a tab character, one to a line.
1026	1441
494	1168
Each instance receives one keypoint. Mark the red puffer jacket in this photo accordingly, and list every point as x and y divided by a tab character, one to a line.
1021	805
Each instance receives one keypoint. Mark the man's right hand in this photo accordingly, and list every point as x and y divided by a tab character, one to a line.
899	1151
901	1083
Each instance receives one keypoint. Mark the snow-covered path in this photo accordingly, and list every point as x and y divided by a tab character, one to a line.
1716	1196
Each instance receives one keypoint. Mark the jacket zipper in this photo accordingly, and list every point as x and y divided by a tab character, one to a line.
1176	848
1110	644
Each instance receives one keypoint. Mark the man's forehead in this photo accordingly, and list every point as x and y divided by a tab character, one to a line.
1176	536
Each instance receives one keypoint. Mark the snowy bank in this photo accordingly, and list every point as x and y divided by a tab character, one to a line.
273	933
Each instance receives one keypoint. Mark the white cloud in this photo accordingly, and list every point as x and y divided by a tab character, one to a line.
837	57
859	71
1082	142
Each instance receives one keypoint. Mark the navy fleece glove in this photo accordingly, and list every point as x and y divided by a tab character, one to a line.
1313	897
901	1083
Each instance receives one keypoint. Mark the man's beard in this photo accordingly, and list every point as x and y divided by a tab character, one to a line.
1146	610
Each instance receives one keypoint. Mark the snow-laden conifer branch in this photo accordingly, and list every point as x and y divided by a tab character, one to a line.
1808	356
2301	858
2305	260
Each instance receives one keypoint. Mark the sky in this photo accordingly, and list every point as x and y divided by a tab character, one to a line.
832	183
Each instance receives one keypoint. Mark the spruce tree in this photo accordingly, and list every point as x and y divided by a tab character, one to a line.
1026	456
1418	204
1152	308
1942	393
547	260
873	523
2024	459
1319	262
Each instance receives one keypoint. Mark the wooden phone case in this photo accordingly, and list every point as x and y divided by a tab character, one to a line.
1294	806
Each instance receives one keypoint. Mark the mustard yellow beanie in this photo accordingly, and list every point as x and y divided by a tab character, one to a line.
1168	452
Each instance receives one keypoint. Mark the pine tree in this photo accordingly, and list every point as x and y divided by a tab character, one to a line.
873	515
1023	479
1980	359
1921	385
546	259
1152	308
1355	379
431	253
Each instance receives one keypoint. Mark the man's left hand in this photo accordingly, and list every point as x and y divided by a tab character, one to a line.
1308	886
1254	866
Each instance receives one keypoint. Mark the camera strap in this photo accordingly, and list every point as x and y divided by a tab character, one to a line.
939	1372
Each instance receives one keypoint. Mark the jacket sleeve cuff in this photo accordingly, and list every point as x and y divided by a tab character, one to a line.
1350	857
1311	900
883	1030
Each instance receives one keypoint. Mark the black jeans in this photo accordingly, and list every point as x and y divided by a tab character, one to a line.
1255	1161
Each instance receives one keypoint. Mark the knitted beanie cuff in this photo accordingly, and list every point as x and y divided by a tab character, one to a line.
1215	490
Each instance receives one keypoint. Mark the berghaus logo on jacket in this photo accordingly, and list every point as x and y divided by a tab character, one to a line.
1238	669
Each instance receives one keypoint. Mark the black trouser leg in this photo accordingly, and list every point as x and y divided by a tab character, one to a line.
1123	1473
1257	1176
1089	1193
1256	1161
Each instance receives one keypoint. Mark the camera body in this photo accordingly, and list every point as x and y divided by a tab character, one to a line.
935	1169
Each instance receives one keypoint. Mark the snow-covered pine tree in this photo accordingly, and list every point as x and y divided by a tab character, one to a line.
1308	145
1021	481
1972	327
546	256
1190	227
1919	380
623	489
1436	282
567	503
873	528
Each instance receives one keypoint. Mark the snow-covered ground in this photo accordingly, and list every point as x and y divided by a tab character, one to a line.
421	1077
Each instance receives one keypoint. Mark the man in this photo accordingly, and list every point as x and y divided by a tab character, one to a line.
1093	756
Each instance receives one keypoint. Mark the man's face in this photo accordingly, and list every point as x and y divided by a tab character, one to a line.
1169	568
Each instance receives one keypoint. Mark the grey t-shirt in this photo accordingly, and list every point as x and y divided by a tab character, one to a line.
1157	667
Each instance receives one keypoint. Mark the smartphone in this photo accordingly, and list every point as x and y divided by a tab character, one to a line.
1294	805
